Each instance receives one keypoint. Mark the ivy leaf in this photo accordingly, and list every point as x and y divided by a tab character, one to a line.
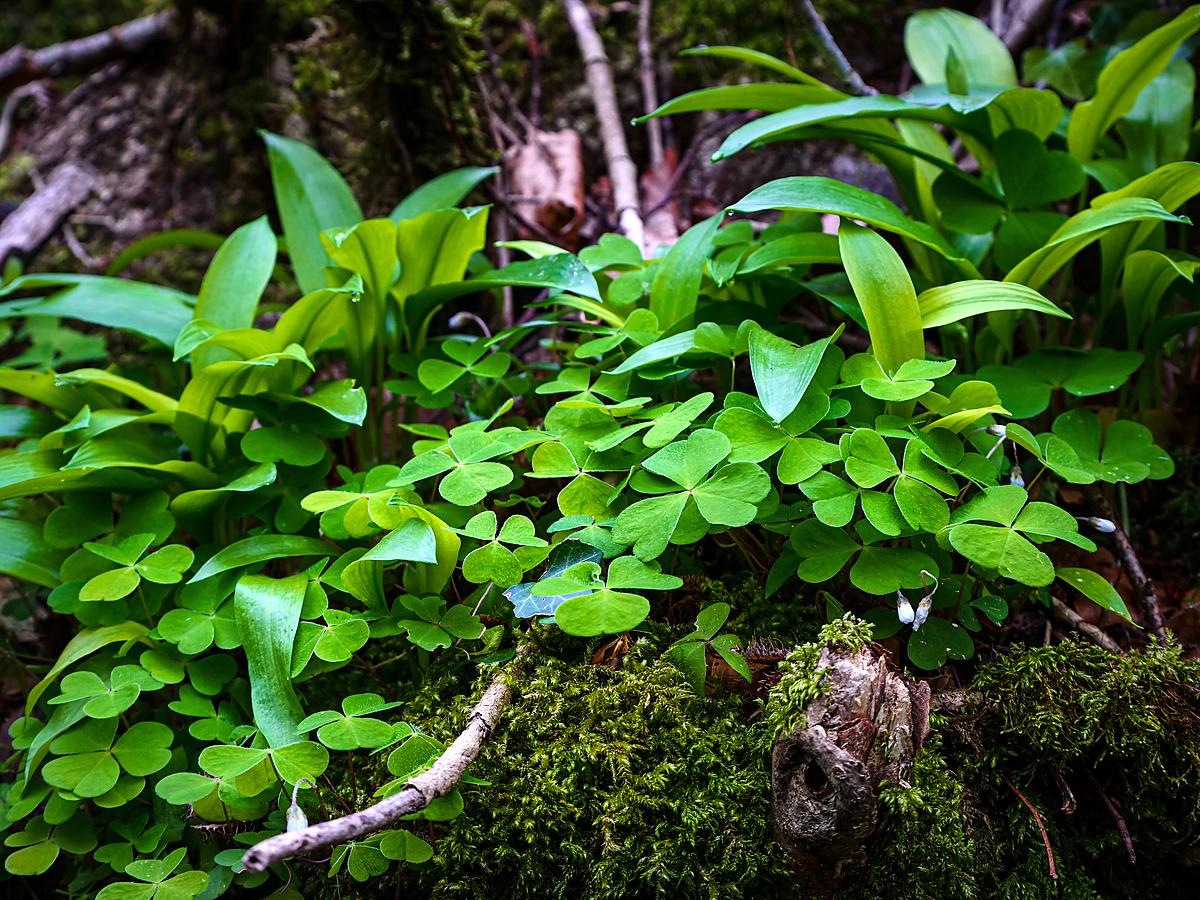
563	557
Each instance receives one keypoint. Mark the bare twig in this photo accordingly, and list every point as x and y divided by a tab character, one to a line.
649	86
19	64
40	216
1037	817
37	91
1026	16
621	168
1072	619
845	71
1122	828
437	781
1143	586
693	151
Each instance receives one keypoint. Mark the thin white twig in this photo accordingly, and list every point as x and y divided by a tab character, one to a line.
621	169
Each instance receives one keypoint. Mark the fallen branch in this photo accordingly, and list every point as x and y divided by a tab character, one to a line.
437	781
39	217
20	65
1072	619
1143	586
621	169
825	37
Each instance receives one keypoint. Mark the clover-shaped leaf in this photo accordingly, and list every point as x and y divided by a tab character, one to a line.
205	616
727	497
353	729
1026	386
157	881
164	566
282	444
755	437
1125	452
913	379
998	528
88	763
437	375
105	699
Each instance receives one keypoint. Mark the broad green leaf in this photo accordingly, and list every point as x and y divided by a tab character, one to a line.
312	197
443	192
24	554
757	58
676	286
949	303
768	97
268	614
1080	230
782	371
885	293
826	195
1093	586
1158	129
931	35
1123	79
252	550
156	312
1147	277
234	282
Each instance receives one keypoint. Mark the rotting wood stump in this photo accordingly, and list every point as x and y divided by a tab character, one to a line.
826	775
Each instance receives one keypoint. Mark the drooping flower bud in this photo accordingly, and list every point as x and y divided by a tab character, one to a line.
904	609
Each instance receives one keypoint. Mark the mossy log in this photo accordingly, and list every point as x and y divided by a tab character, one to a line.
827	772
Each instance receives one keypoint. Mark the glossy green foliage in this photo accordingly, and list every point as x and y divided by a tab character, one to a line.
242	513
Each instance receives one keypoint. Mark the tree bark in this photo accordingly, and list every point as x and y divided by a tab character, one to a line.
826	775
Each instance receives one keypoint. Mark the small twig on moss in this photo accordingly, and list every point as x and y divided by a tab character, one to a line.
436	781
1122	828
1037	817
621	168
1072	619
1143	586
824	36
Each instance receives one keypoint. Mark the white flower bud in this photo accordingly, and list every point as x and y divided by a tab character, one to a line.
922	613
1016	477
1104	526
904	609
296	819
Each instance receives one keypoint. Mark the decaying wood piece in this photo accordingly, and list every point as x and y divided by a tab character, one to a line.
19	64
545	182
826	775
35	220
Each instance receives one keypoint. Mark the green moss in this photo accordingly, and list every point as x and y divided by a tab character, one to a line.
1068	718
613	784
801	682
